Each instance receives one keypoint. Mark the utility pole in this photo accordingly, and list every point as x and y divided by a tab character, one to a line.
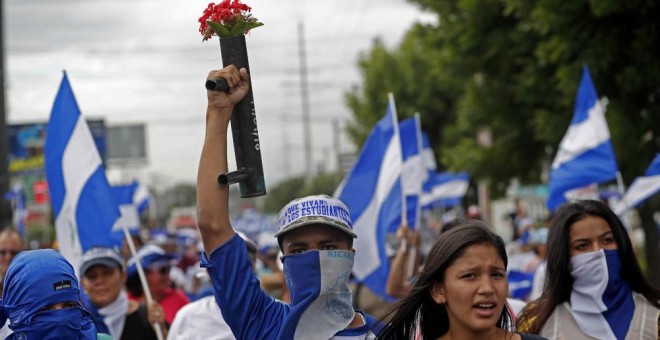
4	175
304	96
286	159
335	142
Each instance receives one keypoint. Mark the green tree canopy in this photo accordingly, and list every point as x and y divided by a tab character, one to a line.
511	68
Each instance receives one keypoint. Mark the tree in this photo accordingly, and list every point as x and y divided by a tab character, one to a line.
296	187
512	67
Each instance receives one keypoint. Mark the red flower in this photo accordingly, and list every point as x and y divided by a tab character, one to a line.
226	19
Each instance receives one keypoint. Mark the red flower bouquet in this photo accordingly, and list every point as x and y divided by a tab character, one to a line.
227	19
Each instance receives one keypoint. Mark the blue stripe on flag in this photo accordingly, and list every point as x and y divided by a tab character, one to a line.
654	168
586	98
593	166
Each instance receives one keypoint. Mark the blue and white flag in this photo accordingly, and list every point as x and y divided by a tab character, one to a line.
372	193
128	207
585	154
82	201
445	189
414	170
520	284
17	197
427	154
642	187
141	197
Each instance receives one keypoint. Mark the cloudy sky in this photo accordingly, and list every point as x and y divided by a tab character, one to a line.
144	61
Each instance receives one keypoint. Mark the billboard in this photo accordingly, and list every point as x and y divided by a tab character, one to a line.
127	144
26	145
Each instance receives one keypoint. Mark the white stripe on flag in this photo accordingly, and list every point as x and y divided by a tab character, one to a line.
642	188
129	218
414	174
584	136
79	162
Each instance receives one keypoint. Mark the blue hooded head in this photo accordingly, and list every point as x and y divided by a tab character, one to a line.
35	280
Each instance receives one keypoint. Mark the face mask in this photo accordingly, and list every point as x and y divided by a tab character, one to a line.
601	301
67	323
321	303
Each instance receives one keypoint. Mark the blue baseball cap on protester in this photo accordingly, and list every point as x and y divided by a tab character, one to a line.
150	255
317	209
103	256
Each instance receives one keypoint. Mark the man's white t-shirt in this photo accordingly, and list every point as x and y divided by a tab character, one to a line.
200	320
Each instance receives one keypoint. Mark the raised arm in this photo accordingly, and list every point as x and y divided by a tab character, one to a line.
213	198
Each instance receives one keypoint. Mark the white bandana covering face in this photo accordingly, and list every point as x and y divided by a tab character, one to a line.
114	315
601	301
321	302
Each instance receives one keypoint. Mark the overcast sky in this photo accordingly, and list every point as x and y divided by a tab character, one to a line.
144	61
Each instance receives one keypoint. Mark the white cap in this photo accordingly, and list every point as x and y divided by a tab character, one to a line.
318	209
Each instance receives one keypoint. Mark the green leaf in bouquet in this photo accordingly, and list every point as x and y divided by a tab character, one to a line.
239	28
219	29
254	24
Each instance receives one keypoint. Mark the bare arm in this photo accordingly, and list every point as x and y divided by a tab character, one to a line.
397	282
213	198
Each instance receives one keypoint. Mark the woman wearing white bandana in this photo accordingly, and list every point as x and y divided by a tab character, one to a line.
594	288
103	280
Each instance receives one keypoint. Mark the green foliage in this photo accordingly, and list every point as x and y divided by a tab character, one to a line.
512	67
296	187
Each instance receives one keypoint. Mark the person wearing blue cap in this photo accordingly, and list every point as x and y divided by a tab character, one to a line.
157	264
41	298
102	279
315	235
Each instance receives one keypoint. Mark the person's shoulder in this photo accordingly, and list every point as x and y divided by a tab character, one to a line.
203	306
373	325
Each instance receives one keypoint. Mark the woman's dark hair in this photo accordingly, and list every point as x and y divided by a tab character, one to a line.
134	286
419	308
558	280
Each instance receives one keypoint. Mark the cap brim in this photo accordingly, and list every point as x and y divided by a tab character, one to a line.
315	220
107	262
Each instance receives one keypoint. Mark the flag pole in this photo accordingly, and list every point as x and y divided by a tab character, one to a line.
143	278
412	254
395	124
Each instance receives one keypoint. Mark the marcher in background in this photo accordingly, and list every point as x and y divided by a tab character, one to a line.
41	298
594	287
398	283
156	264
102	277
540	239
315	235
202	319
461	291
270	274
11	243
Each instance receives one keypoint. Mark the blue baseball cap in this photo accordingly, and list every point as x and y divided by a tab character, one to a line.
149	255
103	256
317	209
